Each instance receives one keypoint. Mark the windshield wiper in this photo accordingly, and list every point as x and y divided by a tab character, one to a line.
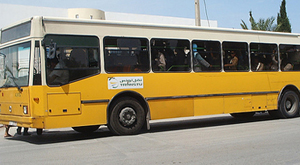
13	80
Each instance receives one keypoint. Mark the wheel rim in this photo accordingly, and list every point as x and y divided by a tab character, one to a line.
290	104
127	116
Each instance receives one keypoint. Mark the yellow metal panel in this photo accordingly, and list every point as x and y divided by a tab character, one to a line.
272	101
92	114
63	103
38	103
259	102
161	109
13	100
209	105
238	103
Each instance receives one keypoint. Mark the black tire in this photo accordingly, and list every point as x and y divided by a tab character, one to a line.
243	115
127	117
39	131
288	105
86	129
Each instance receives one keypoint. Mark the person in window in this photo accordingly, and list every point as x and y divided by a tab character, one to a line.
285	63
274	63
161	61
59	75
159	57
233	62
199	60
258	65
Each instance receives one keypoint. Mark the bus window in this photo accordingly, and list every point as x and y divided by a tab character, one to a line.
235	56
37	65
264	57
14	67
70	58
290	57
206	56
170	55
126	54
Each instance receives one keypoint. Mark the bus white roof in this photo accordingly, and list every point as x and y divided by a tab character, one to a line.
94	21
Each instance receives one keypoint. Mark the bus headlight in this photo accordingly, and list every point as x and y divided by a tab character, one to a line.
25	109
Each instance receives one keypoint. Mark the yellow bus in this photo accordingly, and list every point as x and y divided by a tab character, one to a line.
80	73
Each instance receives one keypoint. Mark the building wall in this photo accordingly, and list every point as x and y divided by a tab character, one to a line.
13	13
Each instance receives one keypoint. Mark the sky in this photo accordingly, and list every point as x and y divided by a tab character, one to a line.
228	13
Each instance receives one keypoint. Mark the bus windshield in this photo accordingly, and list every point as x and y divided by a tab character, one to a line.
14	65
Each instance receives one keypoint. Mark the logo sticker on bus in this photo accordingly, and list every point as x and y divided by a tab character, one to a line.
125	82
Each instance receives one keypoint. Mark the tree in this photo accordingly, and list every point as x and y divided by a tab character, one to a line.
262	24
283	21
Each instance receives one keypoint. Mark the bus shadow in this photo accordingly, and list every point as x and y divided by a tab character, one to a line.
206	122
60	136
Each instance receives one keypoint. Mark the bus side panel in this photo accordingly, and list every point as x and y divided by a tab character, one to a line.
259	102
171	108
92	114
209	105
272	100
239	103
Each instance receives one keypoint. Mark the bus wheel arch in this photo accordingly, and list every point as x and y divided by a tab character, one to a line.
129	103
288	103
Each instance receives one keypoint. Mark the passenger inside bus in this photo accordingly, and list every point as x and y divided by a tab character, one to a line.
199	61
233	62
158	56
257	64
274	60
57	75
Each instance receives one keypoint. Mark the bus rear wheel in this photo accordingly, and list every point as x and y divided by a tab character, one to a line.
86	129
289	105
127	116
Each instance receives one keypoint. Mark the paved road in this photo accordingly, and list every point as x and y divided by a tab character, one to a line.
202	140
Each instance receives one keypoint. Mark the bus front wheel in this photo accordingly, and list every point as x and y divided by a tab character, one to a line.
127	116
289	105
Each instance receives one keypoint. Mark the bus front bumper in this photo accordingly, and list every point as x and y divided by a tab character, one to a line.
21	121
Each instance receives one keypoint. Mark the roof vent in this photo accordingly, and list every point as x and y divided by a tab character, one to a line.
85	13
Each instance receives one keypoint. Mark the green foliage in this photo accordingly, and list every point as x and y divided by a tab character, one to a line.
262	24
282	19
283	23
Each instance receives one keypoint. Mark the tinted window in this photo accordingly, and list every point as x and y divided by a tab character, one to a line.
126	54
16	32
235	56
71	58
206	55
290	57
264	57
170	55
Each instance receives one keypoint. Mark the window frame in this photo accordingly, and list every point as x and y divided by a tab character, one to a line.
281	61
97	46
248	56
264	43
220	54
189	58
127	37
